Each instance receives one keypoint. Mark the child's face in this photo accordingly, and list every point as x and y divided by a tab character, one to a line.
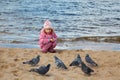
48	30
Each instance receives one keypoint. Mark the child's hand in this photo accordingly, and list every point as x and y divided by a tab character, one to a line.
52	40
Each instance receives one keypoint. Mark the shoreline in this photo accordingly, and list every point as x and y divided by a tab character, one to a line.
108	39
12	68
69	45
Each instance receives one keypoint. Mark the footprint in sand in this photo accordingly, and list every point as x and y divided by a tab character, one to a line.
15	72
12	64
19	59
4	67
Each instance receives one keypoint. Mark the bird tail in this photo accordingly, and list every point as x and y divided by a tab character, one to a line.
95	64
92	70
71	64
65	67
27	62
33	70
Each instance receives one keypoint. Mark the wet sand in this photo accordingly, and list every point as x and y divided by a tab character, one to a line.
12	68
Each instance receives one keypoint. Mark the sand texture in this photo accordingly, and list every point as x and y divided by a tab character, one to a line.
11	67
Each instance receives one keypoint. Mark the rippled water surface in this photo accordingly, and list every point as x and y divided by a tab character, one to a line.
21	20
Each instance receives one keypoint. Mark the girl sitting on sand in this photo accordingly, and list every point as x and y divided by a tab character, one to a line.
48	38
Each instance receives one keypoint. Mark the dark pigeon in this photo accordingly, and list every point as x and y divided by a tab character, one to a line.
90	61
41	70
77	61
59	63
33	61
86	69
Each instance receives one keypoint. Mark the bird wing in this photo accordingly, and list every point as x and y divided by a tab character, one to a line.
60	64
86	69
74	62
32	61
89	60
42	70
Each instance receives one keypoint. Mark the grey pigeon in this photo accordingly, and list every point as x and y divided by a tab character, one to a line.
33	61
77	61
59	63
41	70
90	61
86	69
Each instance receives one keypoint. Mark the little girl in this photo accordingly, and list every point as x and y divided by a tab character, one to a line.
48	38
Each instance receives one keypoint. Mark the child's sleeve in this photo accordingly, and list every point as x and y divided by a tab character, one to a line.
43	40
55	37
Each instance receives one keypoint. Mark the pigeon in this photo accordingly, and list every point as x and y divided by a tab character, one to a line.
41	70
59	63
33	61
86	69
90	61
77	61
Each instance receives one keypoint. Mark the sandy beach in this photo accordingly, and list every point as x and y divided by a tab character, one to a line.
12	68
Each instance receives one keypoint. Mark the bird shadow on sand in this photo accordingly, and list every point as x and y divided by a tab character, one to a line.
91	75
45	75
48	75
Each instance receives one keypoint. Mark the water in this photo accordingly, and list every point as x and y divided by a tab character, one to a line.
21	20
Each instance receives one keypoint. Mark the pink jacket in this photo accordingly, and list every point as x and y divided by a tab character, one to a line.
45	38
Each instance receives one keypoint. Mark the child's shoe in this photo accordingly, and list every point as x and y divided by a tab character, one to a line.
52	51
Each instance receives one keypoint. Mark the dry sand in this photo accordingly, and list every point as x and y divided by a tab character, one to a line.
11	67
